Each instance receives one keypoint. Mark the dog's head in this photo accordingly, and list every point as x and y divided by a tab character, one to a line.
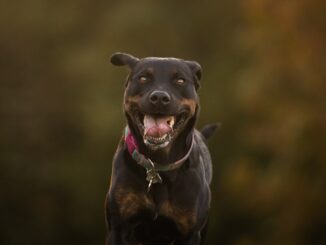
160	99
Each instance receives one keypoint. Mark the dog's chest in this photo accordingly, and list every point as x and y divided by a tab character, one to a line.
132	204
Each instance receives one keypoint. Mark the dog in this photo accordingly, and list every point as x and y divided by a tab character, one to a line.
161	173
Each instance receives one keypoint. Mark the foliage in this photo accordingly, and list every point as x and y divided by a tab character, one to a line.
61	118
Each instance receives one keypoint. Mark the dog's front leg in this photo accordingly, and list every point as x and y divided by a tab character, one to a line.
193	239
114	238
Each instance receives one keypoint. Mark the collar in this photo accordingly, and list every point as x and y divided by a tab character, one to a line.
152	169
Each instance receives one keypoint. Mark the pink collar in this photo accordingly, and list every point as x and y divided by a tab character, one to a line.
130	141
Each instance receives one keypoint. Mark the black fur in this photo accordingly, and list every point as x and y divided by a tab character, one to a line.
208	130
176	211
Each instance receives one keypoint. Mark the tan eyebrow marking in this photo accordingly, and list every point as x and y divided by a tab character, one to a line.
191	104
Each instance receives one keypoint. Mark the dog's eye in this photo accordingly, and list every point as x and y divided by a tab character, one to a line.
180	81
143	79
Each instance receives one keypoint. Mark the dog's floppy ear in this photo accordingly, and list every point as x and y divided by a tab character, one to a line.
121	59
196	70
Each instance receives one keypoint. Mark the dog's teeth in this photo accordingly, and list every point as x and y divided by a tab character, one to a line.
157	140
171	122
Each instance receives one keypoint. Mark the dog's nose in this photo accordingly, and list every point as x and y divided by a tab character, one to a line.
159	98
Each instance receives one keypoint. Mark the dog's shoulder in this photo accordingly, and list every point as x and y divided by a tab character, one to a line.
203	155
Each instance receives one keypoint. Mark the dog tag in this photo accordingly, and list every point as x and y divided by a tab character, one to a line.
149	185
152	176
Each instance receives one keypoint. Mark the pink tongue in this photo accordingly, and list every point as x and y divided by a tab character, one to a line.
156	127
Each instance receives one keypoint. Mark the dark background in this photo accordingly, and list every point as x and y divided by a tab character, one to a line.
61	112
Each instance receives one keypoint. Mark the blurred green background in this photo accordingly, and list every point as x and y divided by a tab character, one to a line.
61	112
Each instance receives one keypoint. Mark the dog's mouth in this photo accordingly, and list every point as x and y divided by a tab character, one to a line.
159	130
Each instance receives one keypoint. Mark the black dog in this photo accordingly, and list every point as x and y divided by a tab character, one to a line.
159	191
